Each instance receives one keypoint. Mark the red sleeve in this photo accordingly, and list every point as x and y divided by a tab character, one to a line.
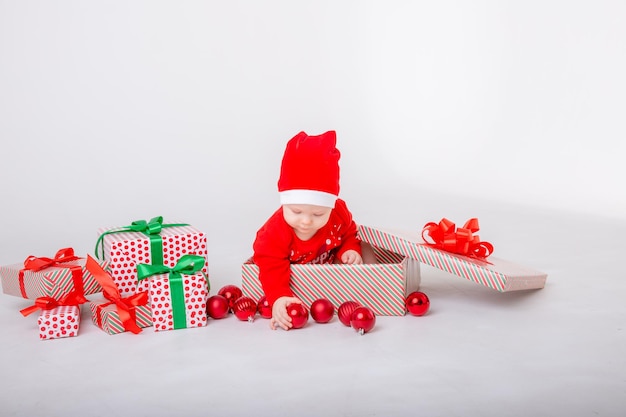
271	254
349	238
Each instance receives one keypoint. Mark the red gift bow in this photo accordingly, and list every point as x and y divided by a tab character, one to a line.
462	241
33	263
125	305
48	303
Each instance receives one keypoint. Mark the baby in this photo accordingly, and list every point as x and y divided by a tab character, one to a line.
312	225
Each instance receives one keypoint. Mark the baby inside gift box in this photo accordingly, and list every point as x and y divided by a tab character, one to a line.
383	286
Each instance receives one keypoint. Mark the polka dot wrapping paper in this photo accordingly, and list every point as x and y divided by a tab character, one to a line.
105	316
55	282
195	289
125	250
63	321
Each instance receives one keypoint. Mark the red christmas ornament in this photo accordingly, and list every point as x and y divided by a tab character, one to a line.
217	307
417	303
345	311
299	315
322	310
264	308
231	293
245	308
362	320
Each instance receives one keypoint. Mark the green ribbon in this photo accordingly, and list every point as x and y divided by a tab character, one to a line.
152	229
187	265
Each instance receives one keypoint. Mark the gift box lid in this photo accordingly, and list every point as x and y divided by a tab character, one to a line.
498	274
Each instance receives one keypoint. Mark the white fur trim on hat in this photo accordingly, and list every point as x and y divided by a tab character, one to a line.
316	198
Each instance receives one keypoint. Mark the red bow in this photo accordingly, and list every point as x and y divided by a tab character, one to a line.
462	240
33	263
125	305
48	303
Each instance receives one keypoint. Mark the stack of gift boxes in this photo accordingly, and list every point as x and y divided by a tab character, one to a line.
155	274
149	274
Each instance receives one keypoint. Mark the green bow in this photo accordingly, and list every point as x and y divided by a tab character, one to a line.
152	229
187	265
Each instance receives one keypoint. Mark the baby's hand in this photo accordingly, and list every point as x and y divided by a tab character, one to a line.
279	312
351	257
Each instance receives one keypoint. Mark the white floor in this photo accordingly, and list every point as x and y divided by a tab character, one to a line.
559	351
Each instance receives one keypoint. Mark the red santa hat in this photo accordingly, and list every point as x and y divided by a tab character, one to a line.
309	173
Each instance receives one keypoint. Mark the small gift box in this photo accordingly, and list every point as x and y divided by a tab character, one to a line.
177	295
57	319
49	277
382	286
149	242
117	314
457	251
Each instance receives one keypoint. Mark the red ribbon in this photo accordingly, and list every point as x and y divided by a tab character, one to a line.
48	303
444	235
125	305
33	263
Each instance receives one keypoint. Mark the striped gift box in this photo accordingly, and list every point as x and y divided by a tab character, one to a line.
382	286
108	319
55	282
493	273
126	249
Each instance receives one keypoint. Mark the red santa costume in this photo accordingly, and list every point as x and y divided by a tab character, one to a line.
309	175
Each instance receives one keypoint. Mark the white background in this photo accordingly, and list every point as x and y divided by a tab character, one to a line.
512	112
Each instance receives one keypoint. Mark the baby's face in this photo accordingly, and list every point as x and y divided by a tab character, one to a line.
306	219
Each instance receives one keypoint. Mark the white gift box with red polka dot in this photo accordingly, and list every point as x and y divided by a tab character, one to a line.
195	290
63	321
125	250
383	286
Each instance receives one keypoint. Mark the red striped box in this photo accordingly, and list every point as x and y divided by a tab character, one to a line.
63	321
55	282
105	316
381	287
125	250
493	273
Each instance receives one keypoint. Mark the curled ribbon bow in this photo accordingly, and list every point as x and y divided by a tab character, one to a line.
125	305
33	263
463	240
48	303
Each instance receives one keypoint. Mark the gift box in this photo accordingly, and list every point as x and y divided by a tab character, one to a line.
116	314
49	277
62	321
476	265
177	295
149	242
382	287
105	315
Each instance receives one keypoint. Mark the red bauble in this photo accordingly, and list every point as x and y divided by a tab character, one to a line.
231	293
417	303
245	308
345	311
322	310
299	315
264	308
217	307
362	320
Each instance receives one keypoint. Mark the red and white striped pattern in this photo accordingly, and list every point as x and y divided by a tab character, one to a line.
54	282
381	287
110	319
497	274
